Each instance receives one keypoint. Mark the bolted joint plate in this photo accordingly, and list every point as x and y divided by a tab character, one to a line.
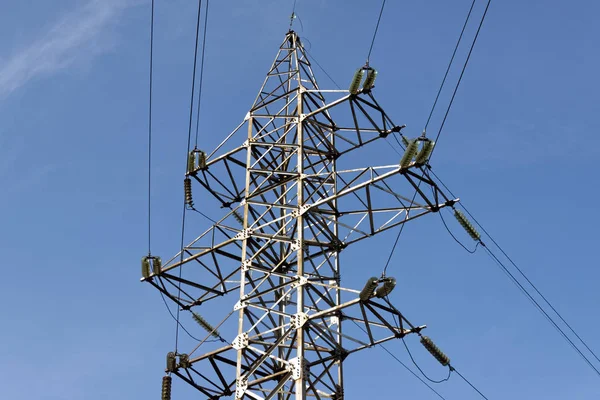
244	234
299	320
246	265
298	367
241	385
239	305
301	280
240	341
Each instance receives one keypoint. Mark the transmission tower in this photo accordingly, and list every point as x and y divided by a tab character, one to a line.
273	260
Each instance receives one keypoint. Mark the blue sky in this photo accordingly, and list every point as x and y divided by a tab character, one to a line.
519	148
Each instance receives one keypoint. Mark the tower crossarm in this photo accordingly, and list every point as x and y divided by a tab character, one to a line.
266	365
372	200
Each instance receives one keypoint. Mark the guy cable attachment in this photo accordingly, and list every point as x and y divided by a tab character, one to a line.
467	225
166	388
146	267
409	153
370	81
151	263
196	161
205	325
369	289
384	290
356	80
191	162
156	265
425	152
187	188
435	351
201	159
171	362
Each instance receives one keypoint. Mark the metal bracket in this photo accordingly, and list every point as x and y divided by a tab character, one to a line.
298	320
244	234
241	385
246	265
298	367
304	208
240	341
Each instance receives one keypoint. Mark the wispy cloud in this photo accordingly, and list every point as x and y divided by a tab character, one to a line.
77	35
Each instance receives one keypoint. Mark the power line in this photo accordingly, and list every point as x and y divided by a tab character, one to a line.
455	238
524	290
470	384
150	127
462	72
449	65
375	33
293	15
401	363
189	140
180	324
322	69
201	72
447	110
540	308
419	368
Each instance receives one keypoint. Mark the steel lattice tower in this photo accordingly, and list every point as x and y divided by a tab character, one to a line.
273	259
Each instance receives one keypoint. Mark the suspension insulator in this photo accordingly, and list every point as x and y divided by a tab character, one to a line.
145	267
171	362
201	160
156	265
370	81
460	217
388	285
368	290
425	152
409	154
187	188
238	217
191	162
205	325
184	361
166	388
356	79
435	351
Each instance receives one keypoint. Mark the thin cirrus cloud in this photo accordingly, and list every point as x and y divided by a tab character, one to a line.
77	35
